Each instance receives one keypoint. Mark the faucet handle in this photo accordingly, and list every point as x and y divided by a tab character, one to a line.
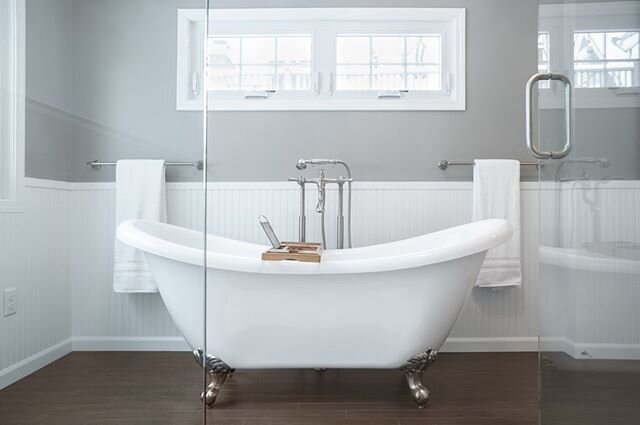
300	180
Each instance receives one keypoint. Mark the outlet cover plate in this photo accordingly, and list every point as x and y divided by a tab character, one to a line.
10	302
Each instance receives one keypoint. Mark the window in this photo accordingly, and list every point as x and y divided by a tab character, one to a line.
266	62
544	65
599	49
323	59
11	104
388	62
606	59
543	52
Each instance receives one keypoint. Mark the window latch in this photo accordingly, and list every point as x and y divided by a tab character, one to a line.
391	94
316	84
448	83
195	84
258	94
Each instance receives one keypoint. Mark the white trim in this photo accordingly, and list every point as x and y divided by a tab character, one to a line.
45	357
607	351
187	48
591	351
38	183
333	14
323	24
15	203
494	345
556	344
452	345
31	364
279	185
129	344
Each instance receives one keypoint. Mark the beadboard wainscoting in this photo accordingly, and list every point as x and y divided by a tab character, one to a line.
64	241
589	300
34	250
499	320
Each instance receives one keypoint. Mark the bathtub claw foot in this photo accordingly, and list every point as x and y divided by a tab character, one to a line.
413	370
218	372
216	380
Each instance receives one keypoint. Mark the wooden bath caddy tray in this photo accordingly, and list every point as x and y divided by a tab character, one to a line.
306	252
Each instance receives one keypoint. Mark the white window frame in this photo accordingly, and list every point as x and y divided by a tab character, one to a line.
16	141
323	24
562	21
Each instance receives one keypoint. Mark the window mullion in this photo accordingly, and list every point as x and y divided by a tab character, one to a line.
607	80
324	58
275	68
240	66
370	63
404	61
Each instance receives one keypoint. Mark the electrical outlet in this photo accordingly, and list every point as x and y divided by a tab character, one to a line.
10	302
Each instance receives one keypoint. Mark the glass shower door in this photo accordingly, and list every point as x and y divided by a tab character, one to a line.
589	256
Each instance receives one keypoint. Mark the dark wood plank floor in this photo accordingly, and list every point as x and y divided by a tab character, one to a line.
163	388
589	392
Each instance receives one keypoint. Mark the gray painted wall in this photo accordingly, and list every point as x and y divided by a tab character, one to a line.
599	133
99	86
49	42
401	145
111	95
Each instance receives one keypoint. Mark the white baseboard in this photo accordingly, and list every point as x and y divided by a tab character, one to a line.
31	364
129	344
595	351
495	345
607	351
452	345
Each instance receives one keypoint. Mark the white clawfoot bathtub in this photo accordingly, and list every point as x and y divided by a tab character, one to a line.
383	306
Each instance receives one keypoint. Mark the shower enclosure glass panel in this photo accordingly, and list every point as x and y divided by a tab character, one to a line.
589	255
83	85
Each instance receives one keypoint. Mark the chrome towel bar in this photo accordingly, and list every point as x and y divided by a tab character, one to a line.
444	164
96	165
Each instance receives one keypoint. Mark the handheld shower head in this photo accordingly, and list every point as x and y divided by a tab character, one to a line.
303	163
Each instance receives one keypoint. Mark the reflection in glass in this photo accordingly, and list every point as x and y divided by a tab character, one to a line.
589	254
606	59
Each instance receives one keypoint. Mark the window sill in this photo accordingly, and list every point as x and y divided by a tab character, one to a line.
325	105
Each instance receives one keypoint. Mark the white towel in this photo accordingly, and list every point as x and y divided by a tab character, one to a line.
140	194
496	194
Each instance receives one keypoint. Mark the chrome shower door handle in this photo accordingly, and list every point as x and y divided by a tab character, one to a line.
568	116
